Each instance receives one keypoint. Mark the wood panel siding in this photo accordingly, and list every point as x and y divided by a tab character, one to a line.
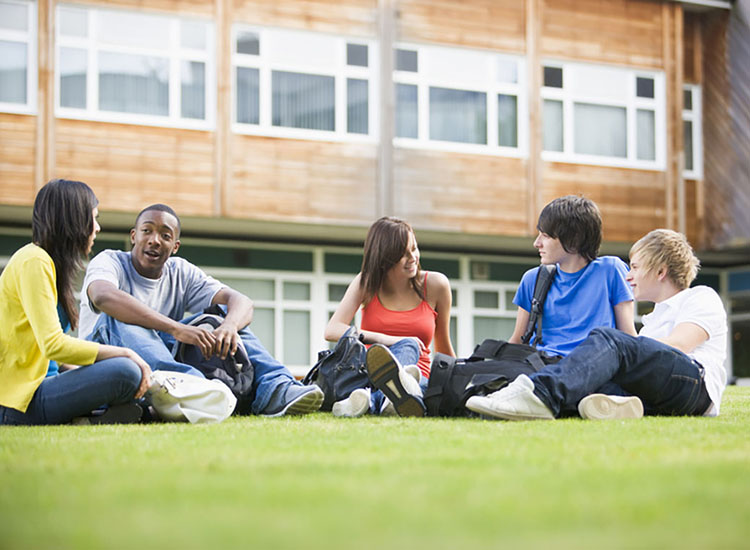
186	7
353	17
17	150
492	24
460	192
632	202
626	32
302	181
130	167
692	56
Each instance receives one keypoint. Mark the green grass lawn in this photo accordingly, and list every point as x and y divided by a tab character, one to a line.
380	483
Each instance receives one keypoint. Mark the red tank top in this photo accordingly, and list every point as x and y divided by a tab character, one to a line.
419	322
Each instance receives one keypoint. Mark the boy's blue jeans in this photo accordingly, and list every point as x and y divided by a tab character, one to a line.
156	349
612	362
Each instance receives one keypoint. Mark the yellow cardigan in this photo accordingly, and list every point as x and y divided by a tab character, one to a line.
30	331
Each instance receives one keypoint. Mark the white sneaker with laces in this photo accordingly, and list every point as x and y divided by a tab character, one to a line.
599	406
516	401
357	404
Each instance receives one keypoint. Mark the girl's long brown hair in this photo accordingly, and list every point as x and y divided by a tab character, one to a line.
385	245
61	224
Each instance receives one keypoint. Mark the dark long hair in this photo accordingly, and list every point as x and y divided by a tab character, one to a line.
576	222
385	245
62	224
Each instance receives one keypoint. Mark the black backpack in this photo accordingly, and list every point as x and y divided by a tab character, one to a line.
494	363
236	371
340	371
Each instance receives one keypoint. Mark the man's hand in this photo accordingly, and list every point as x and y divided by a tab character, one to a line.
145	374
227	340
204	339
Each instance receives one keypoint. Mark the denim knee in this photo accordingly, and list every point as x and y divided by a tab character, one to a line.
127	374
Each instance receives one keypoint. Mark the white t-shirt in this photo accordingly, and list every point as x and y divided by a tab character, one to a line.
699	305
182	287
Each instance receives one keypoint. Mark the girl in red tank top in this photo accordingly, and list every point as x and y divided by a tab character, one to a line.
398	299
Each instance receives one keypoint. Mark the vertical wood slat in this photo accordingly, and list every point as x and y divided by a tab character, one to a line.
44	155
534	164
385	179
668	68
222	141
677	114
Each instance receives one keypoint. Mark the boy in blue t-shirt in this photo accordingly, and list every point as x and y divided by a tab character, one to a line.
587	292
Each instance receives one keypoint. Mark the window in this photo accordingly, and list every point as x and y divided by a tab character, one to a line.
302	84
459	99
603	115
692	131
130	67
17	56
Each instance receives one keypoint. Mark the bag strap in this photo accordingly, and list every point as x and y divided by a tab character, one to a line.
441	372
544	278
488	349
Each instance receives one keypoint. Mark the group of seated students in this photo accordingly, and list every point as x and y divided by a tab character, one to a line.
134	305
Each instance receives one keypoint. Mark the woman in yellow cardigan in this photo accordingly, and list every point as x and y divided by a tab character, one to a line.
37	278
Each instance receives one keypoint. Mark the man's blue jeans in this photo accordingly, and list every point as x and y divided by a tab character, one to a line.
609	361
61	398
156	349
407	353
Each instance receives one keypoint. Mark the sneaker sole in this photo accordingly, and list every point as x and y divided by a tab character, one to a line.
127	413
383	373
490	413
304	404
352	409
599	406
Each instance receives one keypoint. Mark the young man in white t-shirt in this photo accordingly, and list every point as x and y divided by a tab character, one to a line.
674	367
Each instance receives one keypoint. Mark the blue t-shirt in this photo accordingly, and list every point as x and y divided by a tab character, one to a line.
577	302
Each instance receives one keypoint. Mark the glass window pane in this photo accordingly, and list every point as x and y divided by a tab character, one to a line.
356	54
303	101
492	327
687	100
260	289
14	17
486	298
646	134
248	43
406	111
507	70
73	65
73	21
644	87
296	291
336	292
296	337
12	72
126	29
458	115
507	120
687	128
600	130
553	77
193	90
406	60
553	125
356	106
133	84
263	327
248	95
193	34
454	331
509	305
454	296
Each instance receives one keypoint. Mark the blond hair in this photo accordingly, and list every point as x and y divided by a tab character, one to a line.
670	250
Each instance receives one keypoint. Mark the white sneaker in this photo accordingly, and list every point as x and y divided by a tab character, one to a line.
599	406
516	401
357	404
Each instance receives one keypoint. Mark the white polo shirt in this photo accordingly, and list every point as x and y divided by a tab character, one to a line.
702	306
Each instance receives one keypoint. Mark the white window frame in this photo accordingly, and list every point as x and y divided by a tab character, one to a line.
694	115
29	38
175	55
631	105
486	83
338	69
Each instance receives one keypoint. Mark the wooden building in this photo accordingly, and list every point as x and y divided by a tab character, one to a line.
281	130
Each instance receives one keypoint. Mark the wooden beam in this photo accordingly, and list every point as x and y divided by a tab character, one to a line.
667	50
384	193
44	156
222	136
679	141
534	161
